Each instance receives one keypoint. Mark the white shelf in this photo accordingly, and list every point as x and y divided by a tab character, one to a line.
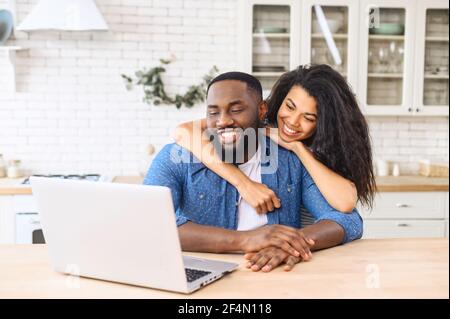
335	36
436	76
436	39
272	35
386	75
11	48
386	37
268	74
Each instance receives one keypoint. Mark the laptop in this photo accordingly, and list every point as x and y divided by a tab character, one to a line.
119	232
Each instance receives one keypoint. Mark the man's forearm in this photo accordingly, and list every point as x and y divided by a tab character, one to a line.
325	234
201	238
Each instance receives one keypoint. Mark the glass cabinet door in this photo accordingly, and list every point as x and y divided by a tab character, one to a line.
342	19
337	20
387	42
386	58
271	43
435	80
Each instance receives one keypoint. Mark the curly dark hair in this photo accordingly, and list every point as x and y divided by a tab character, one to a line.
341	139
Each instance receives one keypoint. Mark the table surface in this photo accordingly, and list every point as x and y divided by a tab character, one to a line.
379	268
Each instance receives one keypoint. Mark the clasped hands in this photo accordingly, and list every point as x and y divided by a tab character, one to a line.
270	246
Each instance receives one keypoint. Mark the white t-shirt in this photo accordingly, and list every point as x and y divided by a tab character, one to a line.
248	218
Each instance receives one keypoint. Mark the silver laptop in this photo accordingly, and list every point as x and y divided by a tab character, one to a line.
119	232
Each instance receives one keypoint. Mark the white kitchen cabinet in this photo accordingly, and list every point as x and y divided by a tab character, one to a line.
407	205
404	229
446	216
431	86
386	65
344	26
7	219
270	40
406	214
393	74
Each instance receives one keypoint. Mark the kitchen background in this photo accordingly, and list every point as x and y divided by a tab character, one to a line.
65	109
71	113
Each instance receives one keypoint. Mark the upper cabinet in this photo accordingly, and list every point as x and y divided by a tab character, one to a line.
386	64
431	68
271	39
394	54
342	19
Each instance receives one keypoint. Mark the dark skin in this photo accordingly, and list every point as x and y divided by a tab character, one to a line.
231	105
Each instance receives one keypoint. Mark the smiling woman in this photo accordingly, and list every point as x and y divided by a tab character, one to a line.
314	106
297	116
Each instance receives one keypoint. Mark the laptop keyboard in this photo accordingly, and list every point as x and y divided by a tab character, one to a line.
194	274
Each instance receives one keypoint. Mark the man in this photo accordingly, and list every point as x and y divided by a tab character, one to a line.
210	216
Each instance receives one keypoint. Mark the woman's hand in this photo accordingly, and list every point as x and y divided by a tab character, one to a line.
259	196
275	136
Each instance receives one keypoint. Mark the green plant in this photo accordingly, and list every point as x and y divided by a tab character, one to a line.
154	91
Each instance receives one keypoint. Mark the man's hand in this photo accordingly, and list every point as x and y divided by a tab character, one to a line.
259	196
292	241
270	258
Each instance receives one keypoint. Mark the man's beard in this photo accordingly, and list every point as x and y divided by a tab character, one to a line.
238	152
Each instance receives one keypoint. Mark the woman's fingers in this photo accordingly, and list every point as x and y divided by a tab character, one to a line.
276	201
269	204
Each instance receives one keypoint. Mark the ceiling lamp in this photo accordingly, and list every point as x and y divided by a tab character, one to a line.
67	15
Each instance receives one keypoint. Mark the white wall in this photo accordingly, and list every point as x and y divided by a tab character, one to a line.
72	114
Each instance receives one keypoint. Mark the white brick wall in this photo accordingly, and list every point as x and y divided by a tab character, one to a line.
72	114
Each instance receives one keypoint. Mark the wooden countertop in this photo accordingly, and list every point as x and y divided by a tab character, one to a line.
412	184
13	186
405	268
385	184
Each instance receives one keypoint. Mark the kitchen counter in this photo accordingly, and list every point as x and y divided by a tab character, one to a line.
385	184
394	268
412	184
13	186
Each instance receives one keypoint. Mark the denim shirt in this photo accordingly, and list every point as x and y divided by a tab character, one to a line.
201	196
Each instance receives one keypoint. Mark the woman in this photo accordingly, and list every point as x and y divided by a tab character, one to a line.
315	114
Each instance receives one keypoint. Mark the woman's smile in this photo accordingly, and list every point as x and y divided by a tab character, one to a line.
290	131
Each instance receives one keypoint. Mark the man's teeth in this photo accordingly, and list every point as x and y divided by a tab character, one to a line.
228	136
287	129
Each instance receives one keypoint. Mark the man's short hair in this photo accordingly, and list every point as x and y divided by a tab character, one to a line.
253	83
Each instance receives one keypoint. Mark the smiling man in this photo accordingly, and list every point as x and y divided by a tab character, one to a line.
211	216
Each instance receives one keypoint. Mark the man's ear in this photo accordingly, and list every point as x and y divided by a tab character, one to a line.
262	109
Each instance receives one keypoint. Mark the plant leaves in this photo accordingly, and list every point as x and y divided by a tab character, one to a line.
154	89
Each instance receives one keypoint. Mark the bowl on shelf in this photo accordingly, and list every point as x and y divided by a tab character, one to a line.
388	29
6	26
333	24
271	30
